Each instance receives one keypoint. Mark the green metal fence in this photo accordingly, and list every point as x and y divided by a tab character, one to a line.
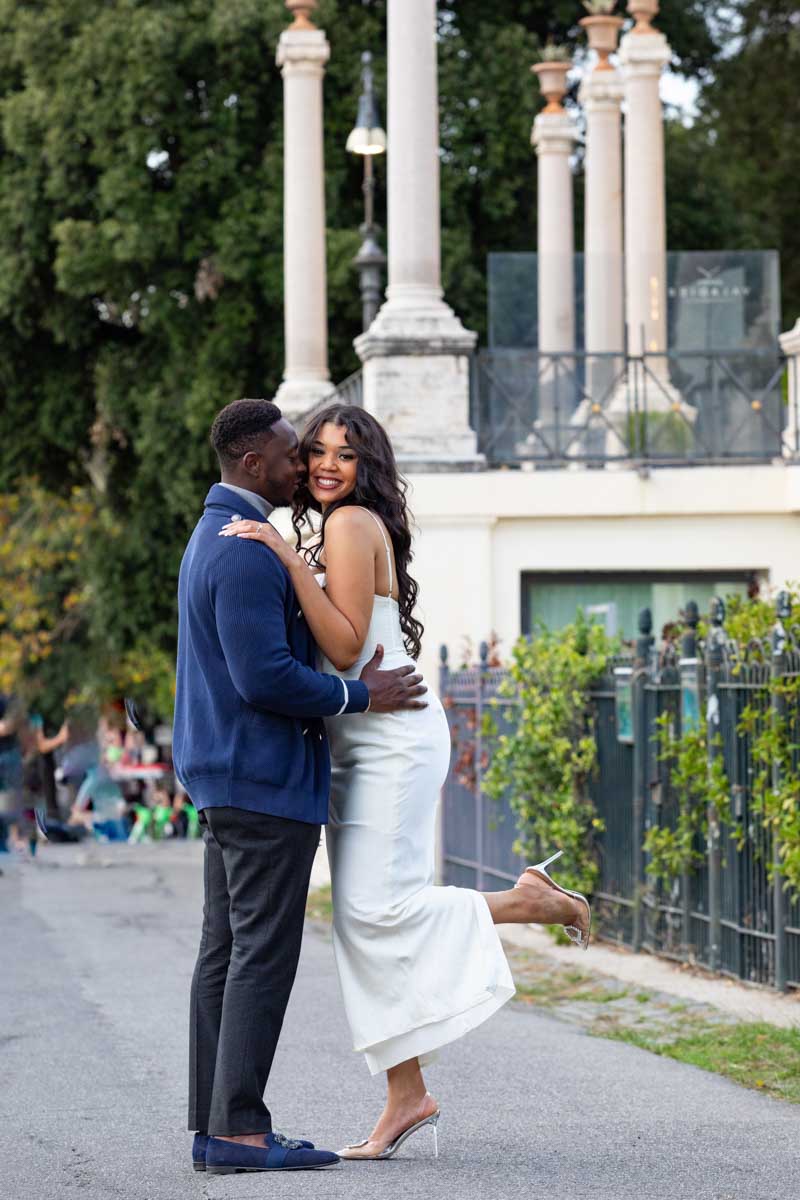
728	914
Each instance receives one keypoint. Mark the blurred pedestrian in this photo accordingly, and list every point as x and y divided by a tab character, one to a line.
10	766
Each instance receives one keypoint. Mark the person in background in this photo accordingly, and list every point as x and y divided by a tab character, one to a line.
99	804
46	746
24	833
10	767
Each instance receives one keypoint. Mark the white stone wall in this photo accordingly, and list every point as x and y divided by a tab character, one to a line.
478	533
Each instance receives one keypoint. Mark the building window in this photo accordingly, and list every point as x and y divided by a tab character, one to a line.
616	598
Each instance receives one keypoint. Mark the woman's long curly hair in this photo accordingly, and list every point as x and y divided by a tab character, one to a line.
379	487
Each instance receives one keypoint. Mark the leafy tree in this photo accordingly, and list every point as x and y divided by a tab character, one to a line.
750	111
44	596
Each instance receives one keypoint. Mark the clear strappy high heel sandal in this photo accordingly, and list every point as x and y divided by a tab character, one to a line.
393	1147
579	936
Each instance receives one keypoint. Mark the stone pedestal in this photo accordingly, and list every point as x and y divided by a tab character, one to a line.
302	54
416	382
415	354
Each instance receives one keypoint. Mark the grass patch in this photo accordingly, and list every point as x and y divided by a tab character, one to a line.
755	1055
600	995
319	906
643	997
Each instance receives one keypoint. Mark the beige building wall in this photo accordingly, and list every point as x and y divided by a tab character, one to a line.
478	533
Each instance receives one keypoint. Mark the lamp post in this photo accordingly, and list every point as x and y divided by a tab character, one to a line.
368	139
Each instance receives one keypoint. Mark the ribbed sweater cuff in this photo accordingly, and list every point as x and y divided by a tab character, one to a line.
358	696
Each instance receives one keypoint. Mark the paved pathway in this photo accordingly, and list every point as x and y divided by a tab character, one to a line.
96	959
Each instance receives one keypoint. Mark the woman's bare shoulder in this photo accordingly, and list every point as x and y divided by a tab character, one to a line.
351	517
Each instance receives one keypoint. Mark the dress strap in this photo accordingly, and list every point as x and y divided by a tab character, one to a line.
386	546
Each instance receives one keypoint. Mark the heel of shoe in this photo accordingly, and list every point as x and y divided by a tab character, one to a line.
542	866
435	1127
199	1166
221	1170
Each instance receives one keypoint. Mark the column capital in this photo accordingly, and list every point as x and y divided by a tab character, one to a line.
554	133
644	54
602	91
303	51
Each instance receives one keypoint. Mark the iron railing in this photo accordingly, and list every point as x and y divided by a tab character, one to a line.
658	409
732	913
351	390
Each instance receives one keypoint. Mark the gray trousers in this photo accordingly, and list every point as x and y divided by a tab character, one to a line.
257	869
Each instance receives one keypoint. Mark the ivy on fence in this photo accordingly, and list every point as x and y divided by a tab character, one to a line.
771	721
544	761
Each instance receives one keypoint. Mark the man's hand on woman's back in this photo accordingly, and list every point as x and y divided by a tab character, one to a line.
392	690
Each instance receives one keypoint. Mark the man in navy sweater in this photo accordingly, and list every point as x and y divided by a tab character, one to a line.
250	750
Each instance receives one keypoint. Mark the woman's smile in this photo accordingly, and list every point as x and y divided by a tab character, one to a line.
326	483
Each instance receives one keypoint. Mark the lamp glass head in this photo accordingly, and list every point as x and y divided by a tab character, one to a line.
368	136
364	140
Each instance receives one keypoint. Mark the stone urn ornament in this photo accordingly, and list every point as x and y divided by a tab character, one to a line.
301	10
552	74
643	12
602	30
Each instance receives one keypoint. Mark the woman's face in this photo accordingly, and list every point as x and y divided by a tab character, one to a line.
332	465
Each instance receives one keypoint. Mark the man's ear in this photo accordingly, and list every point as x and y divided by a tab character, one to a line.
252	463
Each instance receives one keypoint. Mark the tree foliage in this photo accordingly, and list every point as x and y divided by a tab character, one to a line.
44	595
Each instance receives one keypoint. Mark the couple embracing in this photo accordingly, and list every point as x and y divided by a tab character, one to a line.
299	704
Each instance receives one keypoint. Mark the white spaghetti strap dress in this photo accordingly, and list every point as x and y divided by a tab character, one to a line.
419	965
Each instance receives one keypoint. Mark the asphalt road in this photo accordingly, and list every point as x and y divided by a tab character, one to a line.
94	977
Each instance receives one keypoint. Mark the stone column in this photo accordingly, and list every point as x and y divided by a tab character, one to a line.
303	51
416	352
790	345
643	54
660	422
604	305
553	138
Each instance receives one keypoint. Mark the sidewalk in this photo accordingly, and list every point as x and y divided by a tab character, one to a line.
101	945
738	1001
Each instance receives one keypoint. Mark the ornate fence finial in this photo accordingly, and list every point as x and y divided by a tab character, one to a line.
783	606
691	619
483	650
444	654
301	11
643	12
645	640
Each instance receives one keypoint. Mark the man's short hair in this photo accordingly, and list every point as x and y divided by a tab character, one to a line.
241	427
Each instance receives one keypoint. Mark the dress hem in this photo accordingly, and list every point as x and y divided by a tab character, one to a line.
424	1041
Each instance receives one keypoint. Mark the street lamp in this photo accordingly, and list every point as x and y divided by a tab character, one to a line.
368	138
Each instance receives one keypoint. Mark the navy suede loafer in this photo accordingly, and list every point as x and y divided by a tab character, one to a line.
200	1146
278	1154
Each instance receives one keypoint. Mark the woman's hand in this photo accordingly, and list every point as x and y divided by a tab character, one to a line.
262	531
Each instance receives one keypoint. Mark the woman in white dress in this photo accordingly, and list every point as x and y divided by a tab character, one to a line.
419	965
